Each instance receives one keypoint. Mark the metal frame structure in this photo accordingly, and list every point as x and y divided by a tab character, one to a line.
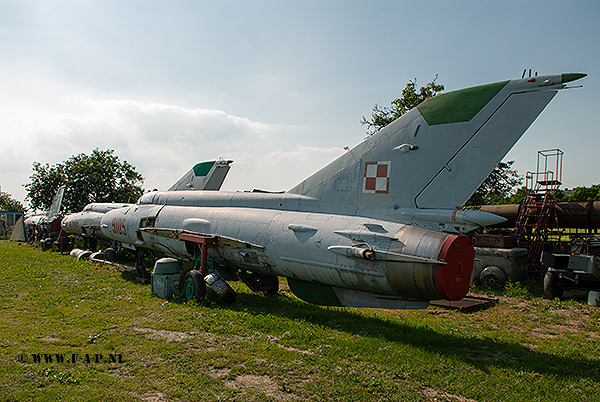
538	213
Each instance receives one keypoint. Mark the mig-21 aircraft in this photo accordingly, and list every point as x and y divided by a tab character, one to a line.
202	176
45	225
46	217
378	227
86	224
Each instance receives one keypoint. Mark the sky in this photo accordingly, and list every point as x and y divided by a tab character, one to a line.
279	87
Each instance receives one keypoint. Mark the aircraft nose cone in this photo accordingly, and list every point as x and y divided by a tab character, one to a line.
568	77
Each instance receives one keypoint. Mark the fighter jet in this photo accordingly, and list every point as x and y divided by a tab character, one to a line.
378	227
202	176
42	221
86	224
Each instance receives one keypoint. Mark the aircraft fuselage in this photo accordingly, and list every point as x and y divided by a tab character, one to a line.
408	262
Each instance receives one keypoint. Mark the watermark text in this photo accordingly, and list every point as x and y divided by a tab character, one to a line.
70	358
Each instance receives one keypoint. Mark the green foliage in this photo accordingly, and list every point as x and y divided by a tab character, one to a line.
382	116
98	177
518	196
591	193
7	203
498	187
583	193
517	290
45	180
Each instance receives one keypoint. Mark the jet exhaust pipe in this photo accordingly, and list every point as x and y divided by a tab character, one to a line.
448	273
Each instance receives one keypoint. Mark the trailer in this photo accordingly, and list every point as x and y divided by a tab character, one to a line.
571	271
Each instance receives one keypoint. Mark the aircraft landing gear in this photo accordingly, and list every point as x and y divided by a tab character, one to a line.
221	287
194	287
213	279
140	268
269	284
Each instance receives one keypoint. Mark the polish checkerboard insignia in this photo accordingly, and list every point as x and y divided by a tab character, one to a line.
377	177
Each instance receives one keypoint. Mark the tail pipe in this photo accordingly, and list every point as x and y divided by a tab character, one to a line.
454	278
449	278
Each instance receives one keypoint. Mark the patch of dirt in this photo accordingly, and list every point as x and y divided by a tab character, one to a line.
51	338
169	336
261	383
283	286
153	397
435	395
221	373
274	340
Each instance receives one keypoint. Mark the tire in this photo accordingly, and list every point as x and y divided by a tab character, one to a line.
553	288
93	242
46	244
194	287
275	289
268	284
493	278
84	255
221	287
110	255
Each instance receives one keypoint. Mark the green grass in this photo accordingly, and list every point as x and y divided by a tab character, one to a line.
264	348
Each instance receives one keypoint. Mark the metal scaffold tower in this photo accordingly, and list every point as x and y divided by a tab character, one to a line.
537	214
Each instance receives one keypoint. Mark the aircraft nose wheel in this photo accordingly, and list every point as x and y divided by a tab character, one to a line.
194	287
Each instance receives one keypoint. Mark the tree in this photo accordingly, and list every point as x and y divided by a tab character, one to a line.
382	116
99	177
591	193
7	203
519	196
45	180
498	187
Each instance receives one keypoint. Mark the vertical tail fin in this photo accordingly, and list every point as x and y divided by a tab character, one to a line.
203	176
436	155
56	202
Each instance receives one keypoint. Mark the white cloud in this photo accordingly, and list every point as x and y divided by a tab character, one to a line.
277	170
163	141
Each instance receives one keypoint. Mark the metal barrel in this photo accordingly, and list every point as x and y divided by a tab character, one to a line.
571	214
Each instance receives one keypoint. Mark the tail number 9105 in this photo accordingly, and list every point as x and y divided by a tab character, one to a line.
118	226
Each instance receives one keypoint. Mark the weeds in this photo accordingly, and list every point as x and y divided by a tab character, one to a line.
131	345
516	290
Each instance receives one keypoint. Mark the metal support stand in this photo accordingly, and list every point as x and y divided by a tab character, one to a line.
213	279
204	242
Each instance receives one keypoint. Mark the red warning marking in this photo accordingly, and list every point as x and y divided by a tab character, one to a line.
377	177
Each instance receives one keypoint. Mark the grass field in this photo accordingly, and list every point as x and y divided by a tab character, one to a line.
119	342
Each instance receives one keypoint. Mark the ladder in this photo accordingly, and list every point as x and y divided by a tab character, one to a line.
537	214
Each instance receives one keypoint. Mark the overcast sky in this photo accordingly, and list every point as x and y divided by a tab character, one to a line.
280	86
